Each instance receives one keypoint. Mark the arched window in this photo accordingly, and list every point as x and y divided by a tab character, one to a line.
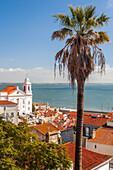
24	88
12	114
28	88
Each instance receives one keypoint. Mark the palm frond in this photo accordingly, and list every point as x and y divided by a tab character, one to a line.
64	19
62	34
89	11
100	38
72	12
70	40
102	19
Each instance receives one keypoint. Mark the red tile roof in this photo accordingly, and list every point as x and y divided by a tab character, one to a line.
6	102
103	135
9	89
58	126
89	118
98	121
49	113
45	128
90	159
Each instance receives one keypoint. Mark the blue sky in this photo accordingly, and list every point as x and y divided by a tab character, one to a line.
26	27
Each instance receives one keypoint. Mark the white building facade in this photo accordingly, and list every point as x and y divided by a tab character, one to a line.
8	111
22	98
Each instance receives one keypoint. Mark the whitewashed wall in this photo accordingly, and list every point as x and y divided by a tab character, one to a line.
7	113
100	148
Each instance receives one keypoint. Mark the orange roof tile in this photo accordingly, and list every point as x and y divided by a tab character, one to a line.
59	127
99	121
89	118
45	128
90	159
36	112
9	89
103	135
6	102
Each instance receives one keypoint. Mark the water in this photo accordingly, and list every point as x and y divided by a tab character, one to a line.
97	96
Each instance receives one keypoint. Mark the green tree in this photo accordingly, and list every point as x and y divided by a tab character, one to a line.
7	151
43	156
79	55
17	151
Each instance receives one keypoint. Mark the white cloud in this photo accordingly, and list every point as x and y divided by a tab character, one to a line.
110	3
42	75
106	77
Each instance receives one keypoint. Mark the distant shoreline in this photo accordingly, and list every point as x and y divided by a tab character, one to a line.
54	83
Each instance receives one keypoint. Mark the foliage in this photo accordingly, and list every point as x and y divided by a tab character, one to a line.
18	152
33	108
81	50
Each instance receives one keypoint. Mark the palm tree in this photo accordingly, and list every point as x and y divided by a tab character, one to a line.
79	54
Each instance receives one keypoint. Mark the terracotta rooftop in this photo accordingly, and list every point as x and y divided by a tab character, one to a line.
45	128
104	136
9	89
6	102
99	121
49	113
90	159
89	118
58	126
92	119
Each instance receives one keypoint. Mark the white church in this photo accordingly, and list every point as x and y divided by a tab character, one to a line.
23	99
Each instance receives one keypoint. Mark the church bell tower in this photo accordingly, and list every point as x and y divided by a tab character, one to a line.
27	86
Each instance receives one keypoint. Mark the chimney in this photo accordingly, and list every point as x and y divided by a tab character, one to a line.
93	135
85	143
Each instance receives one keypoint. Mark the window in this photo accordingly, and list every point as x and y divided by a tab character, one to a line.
7	114
17	100
17	92
23	101
28	102
87	131
28	88
28	108
24	88
12	114
95	146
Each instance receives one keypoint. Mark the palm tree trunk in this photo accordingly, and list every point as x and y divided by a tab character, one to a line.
79	128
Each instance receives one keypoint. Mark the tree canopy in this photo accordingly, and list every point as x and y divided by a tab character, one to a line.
17	151
81	49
